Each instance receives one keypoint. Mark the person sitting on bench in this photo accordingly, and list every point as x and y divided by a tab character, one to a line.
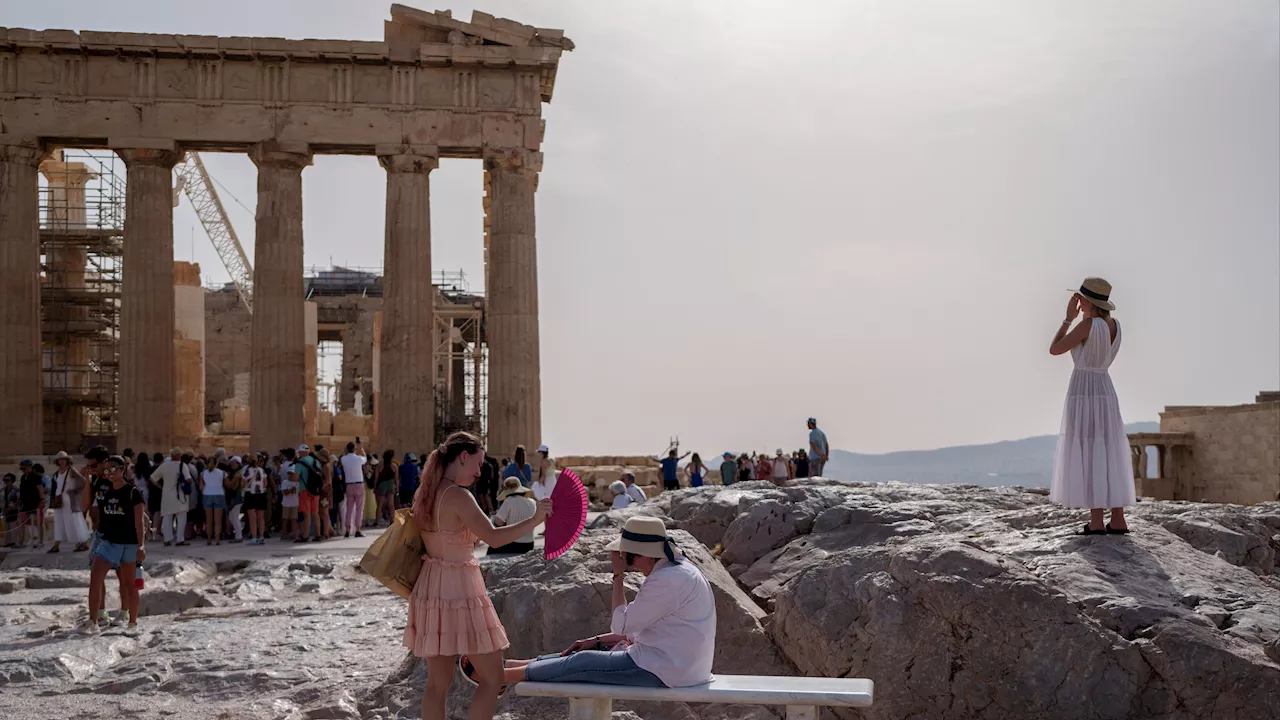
666	637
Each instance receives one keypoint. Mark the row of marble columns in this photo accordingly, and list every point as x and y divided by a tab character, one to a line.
277	386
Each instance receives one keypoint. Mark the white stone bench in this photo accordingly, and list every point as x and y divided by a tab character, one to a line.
802	696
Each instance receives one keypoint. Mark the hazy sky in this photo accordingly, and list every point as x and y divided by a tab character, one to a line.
867	211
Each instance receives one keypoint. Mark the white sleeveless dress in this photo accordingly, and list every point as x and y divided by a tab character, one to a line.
1093	468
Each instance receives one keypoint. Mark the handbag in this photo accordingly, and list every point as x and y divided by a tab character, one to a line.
395	558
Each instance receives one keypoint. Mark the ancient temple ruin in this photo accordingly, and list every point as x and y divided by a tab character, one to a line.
433	87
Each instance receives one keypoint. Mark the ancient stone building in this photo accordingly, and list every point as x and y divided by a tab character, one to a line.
433	87
1228	454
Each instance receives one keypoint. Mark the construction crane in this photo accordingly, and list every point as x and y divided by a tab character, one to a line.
191	177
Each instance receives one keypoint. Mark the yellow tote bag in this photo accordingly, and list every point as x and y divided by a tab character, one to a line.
395	558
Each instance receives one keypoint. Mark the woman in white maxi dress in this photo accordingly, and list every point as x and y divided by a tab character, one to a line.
1093	468
69	525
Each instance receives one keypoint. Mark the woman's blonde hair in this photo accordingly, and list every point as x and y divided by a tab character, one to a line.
428	494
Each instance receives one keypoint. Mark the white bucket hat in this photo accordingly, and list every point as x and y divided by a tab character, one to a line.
647	537
617	487
62	455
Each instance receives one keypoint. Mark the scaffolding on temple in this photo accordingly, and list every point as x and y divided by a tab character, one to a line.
82	209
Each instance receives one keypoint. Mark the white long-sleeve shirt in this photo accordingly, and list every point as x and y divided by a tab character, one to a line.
671	624
635	493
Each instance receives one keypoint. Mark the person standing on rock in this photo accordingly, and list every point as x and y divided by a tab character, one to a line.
802	463
450	613
782	470
728	469
121	522
32	495
819	449
665	637
1092	468
697	471
671	469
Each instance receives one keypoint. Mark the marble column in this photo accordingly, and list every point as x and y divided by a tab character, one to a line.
21	422
146	399
277	392
65	315
515	389
188	348
406	422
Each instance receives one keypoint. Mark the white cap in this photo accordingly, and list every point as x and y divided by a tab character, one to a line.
304	448
236	459
779	451
544	449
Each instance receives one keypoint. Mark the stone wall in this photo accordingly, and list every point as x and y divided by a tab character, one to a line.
1235	454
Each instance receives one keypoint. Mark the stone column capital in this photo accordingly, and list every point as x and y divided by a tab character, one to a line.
24	149
408	158
283	155
149	156
512	160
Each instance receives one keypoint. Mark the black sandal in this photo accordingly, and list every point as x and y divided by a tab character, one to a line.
1112	531
1087	531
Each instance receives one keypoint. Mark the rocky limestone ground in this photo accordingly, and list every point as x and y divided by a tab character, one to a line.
959	601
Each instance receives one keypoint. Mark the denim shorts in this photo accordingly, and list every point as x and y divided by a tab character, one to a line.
116	553
93	545
591	666
215	502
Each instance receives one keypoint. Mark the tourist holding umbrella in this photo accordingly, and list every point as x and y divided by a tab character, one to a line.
1092	468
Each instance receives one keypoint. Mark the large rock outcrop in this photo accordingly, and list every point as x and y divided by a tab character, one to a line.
973	602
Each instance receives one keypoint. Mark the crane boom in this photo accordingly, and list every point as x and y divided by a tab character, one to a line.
193	179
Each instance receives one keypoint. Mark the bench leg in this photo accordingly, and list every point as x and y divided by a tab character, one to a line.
802	712
595	709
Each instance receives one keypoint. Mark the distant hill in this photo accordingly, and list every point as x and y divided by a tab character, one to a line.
1026	462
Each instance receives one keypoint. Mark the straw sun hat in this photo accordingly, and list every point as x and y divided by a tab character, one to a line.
1097	291
512	486
647	537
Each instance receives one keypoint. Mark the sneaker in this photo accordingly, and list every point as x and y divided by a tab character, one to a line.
359	534
167	543
345	535
89	628
132	630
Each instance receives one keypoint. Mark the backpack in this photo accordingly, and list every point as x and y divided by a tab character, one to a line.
314	481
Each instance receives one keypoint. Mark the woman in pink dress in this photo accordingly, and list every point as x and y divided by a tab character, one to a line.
450	613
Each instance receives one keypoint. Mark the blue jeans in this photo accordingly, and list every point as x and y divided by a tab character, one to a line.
591	666
215	502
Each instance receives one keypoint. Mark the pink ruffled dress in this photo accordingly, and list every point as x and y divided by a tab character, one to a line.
449	609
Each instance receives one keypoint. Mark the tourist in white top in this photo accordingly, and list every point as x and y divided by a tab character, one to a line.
544	475
170	476
633	490
620	497
1092	467
517	506
666	637
353	472
215	502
